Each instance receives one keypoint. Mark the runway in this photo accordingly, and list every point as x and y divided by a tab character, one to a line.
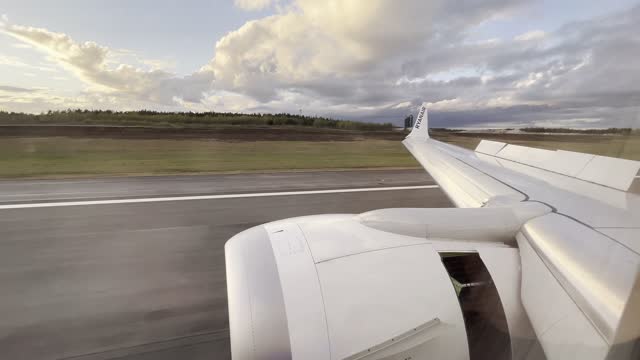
145	279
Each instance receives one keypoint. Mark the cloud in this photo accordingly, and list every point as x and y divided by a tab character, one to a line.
16	62
320	47
12	61
332	56
91	63
21	46
375	60
16	89
530	35
252	4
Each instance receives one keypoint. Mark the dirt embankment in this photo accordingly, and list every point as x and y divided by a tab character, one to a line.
220	134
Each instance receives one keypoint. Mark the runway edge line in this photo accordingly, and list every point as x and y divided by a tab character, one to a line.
208	197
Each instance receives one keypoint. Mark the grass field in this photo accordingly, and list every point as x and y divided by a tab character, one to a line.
39	157
79	156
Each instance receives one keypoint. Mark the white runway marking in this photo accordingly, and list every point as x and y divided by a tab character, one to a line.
208	197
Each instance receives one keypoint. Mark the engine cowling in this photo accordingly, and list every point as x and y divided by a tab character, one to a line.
331	287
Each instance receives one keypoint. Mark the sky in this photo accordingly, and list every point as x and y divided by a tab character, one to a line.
493	63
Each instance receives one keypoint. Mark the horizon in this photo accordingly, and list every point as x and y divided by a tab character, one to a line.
151	112
503	64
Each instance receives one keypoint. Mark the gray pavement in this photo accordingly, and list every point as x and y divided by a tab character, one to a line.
151	186
146	280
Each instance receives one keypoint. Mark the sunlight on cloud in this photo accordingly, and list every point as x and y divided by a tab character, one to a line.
90	62
315	40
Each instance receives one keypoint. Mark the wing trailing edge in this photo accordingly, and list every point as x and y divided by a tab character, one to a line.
602	170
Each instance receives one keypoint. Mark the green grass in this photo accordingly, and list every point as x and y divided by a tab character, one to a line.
41	157
65	157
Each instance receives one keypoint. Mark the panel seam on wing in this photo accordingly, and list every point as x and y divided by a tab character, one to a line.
370	251
324	306
560	283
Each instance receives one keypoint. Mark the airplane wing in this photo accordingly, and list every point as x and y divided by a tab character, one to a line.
580	262
540	260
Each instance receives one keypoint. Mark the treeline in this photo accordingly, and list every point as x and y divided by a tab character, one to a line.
621	131
180	119
447	130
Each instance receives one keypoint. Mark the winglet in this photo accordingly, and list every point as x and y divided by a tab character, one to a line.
421	127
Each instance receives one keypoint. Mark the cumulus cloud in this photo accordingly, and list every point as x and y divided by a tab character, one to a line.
321	46
90	62
375	54
354	53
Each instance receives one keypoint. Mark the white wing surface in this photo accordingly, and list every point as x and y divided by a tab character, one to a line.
580	263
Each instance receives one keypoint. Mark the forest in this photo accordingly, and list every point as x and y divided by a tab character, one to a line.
148	118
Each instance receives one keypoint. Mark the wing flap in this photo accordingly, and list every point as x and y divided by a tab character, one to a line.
490	147
526	155
611	172
568	162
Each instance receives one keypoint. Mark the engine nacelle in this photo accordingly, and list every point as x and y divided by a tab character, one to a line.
332	287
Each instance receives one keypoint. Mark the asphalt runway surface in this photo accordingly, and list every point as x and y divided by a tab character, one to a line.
147	280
